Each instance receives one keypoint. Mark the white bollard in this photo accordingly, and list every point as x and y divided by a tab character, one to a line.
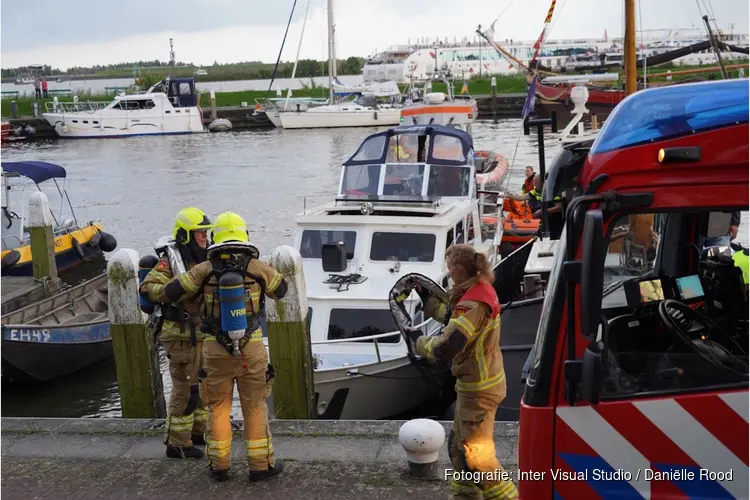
422	439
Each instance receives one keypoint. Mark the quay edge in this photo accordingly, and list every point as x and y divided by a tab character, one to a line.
124	458
507	106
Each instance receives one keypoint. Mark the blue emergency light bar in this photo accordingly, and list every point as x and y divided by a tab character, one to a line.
668	112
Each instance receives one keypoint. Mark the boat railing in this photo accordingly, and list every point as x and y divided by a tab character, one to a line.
76	107
374	339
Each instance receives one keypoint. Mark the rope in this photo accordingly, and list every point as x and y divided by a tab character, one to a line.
281	49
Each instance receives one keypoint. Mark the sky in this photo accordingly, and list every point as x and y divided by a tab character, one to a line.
87	32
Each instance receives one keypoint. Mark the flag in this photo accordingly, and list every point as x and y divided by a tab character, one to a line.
528	105
464	88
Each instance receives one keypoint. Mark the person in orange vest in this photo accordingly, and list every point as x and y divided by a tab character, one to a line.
472	342
528	187
44	87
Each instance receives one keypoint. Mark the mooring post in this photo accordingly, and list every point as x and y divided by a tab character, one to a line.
213	105
289	341
42	237
422	439
493	91
130	339
13	109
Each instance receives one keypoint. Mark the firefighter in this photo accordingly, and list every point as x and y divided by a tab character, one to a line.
471	341
223	365
186	420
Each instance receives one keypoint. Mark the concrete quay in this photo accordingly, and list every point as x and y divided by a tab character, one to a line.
124	458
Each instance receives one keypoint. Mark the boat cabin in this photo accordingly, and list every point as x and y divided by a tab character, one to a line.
404	197
441	108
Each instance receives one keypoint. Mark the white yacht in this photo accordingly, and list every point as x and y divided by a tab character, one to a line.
392	216
169	107
469	58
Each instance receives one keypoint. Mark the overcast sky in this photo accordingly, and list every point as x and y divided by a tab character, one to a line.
86	32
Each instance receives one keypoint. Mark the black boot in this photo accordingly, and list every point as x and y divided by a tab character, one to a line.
220	475
260	475
190	452
197	439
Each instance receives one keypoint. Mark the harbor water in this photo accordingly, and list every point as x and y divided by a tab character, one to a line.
135	186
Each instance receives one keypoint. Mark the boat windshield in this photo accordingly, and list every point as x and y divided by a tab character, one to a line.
449	181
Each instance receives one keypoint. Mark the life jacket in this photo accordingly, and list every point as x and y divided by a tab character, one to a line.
528	185
399	152
485	293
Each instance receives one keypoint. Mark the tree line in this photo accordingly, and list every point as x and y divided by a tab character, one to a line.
250	69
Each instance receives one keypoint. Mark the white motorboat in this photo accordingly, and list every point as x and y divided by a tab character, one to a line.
392	217
169	107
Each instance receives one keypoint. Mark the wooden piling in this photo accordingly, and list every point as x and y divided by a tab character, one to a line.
493	91
289	341
213	106
130	340
42	237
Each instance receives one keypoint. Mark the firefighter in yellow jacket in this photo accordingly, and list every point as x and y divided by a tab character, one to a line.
180	336
241	358
472	341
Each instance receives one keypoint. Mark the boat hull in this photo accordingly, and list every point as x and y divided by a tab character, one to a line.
337	119
43	353
374	397
96	125
597	97
66	254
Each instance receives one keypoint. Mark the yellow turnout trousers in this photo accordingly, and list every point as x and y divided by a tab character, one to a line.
222	370
187	415
471	448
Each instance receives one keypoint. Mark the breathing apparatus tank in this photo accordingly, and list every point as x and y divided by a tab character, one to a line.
232	307
145	265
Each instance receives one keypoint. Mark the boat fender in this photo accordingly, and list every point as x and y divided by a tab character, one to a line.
401	291
375	115
11	259
77	247
145	265
232	307
108	242
94	241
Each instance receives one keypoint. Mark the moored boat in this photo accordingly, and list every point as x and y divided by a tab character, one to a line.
59	335
74	243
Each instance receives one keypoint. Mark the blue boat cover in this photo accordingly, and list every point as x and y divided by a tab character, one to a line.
37	171
663	113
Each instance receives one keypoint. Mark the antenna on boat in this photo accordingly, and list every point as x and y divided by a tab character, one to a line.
171	56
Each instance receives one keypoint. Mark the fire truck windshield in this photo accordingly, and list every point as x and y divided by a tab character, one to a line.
667	326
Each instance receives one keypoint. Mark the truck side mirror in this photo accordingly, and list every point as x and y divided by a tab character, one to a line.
591	373
592	272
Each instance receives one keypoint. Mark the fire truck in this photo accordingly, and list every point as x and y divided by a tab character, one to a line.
638	385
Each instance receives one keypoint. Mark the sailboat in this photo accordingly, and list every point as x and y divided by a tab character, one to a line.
358	109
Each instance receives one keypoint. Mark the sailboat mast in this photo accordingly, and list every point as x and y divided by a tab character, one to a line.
630	59
331	52
296	59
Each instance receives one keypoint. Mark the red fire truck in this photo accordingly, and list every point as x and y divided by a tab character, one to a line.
639	376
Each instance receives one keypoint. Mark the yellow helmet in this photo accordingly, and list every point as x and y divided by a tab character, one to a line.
229	227
187	220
